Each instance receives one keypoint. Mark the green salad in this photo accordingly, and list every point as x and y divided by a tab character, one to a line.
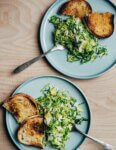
60	111
82	45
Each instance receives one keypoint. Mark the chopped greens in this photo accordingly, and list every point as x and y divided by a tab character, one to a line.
60	111
82	45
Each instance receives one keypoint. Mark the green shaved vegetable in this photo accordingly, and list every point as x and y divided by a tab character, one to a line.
60	111
82	45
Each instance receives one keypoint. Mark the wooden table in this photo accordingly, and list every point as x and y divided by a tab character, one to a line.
19	28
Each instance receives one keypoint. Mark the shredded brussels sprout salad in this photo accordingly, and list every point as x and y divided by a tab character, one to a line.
82	45
60	111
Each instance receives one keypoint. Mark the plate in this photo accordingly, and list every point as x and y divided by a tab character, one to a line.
33	87
59	59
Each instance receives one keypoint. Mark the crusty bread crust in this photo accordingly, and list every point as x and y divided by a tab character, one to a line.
21	106
76	8
100	24
31	131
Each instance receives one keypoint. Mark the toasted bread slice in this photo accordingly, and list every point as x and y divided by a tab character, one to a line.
21	106
31	132
100	24
76	8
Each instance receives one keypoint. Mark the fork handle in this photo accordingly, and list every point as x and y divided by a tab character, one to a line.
26	64
30	62
105	145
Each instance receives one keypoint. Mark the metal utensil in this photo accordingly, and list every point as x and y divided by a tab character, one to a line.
30	62
105	145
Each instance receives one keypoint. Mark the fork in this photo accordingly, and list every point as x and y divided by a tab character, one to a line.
30	62
105	145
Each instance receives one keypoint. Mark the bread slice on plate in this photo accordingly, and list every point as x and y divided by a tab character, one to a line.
100	24
21	106
31	132
76	8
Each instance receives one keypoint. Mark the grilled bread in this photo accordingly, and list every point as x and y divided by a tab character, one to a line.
21	106
100	24
31	132
76	8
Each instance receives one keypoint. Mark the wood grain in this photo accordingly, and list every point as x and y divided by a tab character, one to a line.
19	28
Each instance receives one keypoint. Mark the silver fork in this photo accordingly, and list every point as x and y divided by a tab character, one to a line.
30	62
105	145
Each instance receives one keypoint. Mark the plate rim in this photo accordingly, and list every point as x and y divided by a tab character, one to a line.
111	66
61	78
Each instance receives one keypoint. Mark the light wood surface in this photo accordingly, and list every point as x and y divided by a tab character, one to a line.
19	28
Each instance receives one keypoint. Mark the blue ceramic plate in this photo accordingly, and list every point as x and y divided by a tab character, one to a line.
59	59
33	87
